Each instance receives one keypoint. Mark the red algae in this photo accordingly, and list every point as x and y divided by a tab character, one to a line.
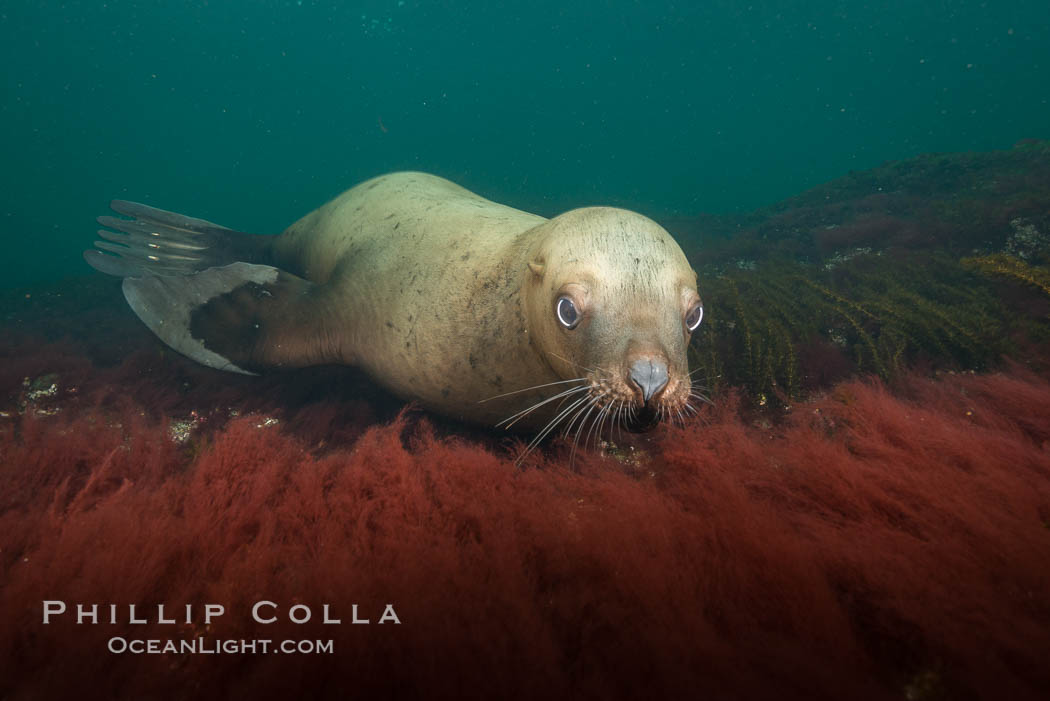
874	543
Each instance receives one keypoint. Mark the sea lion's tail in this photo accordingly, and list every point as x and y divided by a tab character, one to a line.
209	292
156	242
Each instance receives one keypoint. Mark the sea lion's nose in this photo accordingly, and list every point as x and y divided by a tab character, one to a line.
650	375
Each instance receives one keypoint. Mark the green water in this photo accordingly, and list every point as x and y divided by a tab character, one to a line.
253	113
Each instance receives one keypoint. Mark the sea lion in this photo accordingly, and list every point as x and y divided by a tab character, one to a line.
473	309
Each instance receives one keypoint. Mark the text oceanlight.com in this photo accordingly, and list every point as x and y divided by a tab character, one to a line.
207	646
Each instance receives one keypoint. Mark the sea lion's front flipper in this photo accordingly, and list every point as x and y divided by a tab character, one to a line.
241	317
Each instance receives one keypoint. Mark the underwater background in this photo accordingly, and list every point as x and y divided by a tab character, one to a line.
252	114
863	512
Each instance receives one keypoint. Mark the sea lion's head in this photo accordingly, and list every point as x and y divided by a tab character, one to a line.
611	301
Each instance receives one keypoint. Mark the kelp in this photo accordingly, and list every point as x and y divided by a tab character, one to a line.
1011	267
782	326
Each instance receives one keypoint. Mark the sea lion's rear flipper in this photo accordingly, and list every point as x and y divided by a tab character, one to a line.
241	317
164	243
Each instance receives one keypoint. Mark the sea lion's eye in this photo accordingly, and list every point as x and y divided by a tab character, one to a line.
692	319
567	312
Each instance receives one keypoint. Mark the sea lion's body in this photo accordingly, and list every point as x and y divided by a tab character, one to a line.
444	297
427	271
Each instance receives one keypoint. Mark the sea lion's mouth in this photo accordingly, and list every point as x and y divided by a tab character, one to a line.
642	420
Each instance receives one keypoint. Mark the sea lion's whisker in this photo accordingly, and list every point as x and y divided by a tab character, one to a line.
576	441
551	425
600	416
519	391
548	428
595	424
562	403
597	404
608	416
521	414
567	428
699	397
525	412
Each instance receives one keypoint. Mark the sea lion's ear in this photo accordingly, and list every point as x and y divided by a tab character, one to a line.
536	266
